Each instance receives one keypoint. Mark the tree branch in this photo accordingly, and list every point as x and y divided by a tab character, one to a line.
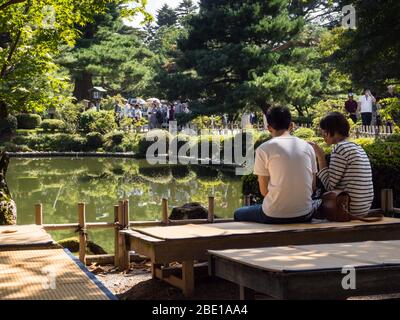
10	3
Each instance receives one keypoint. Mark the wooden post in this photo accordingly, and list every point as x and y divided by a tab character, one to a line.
39	214
384	200
188	277
125	261
116	236
390	202
211	207
120	239
82	232
164	204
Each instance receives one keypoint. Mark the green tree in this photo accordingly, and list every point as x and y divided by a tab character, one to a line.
166	16
34	31
111	55
244	54
371	52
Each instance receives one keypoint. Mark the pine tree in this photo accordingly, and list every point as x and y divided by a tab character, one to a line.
166	16
242	54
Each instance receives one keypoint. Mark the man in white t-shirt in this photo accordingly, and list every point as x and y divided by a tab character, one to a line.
365	107
286	167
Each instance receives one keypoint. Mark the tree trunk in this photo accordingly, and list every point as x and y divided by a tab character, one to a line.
8	209
3	110
82	86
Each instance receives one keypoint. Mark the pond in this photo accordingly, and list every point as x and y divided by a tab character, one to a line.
61	183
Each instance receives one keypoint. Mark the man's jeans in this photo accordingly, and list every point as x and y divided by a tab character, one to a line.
256	214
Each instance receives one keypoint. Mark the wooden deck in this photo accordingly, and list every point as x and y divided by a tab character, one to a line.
190	243
311	272
47	275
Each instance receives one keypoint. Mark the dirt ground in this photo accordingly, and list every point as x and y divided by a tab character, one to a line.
137	284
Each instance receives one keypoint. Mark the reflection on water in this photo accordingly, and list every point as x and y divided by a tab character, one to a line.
62	182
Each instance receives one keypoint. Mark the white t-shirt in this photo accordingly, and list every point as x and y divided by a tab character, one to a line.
366	104
290	164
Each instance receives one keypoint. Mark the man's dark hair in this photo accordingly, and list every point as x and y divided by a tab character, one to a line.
335	122
279	118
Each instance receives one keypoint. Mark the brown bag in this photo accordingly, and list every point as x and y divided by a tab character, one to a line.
336	207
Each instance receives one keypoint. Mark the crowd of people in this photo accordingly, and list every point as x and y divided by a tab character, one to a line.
158	113
368	106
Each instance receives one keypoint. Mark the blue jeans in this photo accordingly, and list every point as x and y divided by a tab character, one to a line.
256	214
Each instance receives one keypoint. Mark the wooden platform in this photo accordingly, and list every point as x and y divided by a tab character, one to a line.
311	272
47	275
24	237
188	243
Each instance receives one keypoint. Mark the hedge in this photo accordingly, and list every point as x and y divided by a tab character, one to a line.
52	125
8	125
97	121
28	121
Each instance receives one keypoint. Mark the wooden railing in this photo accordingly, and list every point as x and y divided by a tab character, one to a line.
381	132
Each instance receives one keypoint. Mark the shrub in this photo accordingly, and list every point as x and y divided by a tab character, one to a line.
12	147
8	125
64	142
28	121
52	125
113	141
304	133
264	137
94	141
130	143
97	121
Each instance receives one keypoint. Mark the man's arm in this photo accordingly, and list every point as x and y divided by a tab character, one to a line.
263	182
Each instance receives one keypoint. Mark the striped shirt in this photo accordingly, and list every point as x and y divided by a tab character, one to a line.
350	170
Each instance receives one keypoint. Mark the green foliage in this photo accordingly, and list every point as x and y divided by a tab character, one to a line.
244	55
97	121
30	80
8	125
113	141
28	121
70	114
323	107
391	110
12	147
52	125
94	141
304	133
371	46
205	122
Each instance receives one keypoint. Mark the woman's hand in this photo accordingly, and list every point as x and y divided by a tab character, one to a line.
319	152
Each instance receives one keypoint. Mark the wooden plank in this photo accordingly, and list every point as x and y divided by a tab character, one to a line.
39	214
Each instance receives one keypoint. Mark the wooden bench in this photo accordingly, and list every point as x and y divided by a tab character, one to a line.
312	272
189	243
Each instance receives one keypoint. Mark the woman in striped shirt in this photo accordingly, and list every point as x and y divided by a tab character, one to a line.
349	169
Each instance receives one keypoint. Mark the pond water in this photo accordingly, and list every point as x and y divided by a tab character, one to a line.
61	183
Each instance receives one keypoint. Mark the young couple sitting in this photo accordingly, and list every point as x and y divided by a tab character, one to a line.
287	170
